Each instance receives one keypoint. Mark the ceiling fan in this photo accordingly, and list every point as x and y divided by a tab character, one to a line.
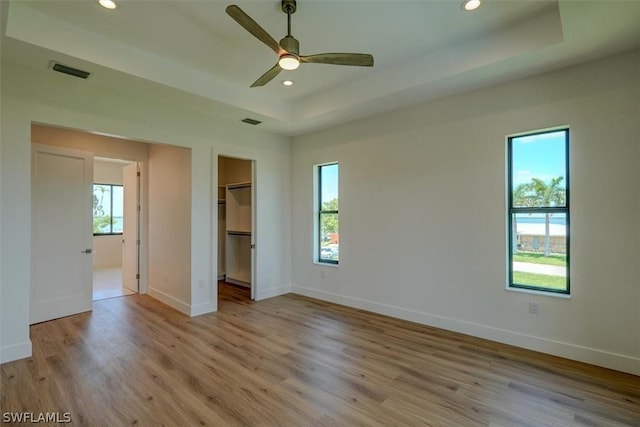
288	50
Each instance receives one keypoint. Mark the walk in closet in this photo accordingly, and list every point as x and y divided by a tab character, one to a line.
234	220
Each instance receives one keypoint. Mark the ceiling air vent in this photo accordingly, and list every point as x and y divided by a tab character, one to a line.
65	69
251	121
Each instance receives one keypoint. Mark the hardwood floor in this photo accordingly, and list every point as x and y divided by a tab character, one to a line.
295	361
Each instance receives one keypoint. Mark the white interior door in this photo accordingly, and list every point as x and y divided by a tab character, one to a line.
131	226
62	237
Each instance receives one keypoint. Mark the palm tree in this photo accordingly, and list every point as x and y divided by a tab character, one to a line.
521	198
547	195
100	220
97	202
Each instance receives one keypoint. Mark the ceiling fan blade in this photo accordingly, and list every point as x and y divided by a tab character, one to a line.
357	59
268	76
252	26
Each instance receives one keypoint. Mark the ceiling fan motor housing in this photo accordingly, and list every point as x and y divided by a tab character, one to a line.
289	6
290	44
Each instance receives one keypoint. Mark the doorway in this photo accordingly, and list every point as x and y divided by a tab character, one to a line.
236	229
116	201
63	244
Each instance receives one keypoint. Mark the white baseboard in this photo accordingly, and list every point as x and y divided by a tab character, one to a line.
579	353
181	306
170	301
15	352
197	310
273	292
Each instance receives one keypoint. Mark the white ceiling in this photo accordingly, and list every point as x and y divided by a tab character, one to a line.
422	49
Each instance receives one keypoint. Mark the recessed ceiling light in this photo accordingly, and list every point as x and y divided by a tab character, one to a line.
287	82
470	5
108	4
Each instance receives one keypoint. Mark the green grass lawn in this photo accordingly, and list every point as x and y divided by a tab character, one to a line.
539	258
541	280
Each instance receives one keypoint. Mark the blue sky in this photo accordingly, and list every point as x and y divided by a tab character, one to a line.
541	156
329	182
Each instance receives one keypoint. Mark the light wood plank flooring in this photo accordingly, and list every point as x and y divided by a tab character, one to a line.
295	361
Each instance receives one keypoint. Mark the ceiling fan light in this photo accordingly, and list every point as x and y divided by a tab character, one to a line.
108	4
288	62
470	5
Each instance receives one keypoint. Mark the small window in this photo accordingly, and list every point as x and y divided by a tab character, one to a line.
538	211
107	209
327	220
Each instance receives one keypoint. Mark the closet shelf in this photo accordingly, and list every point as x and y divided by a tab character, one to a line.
238	233
239	185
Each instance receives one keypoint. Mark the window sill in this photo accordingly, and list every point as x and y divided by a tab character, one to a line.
326	264
541	293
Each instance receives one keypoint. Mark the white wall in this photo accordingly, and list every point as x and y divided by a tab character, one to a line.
107	252
107	172
141	112
15	191
423	223
170	225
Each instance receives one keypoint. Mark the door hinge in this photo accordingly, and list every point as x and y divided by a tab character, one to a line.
138	242
138	208
138	173
137	276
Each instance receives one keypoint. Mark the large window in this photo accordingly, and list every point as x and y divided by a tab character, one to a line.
107	209
327	219
538	211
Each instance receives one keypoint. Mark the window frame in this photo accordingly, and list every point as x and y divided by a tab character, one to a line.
511	211
320	212
111	233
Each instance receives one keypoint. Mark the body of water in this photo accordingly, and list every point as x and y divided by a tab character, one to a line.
539	219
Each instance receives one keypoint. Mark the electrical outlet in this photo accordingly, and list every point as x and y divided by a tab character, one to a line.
534	308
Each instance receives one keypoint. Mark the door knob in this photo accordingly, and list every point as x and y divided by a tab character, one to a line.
87	251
